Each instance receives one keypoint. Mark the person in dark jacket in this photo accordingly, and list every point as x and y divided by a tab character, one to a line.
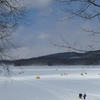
84	96
80	95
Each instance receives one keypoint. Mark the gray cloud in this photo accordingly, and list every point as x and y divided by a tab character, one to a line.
37	3
33	41
37	43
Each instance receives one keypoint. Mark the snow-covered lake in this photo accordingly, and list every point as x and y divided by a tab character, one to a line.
52	85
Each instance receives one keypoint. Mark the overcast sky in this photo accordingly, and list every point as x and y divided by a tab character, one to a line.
45	24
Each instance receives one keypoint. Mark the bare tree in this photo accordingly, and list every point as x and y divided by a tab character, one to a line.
85	9
12	14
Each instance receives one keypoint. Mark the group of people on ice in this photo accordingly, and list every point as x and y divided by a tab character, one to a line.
84	96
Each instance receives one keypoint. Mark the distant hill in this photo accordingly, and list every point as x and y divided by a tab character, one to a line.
65	58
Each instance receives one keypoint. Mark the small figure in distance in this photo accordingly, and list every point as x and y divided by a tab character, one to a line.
84	96
80	95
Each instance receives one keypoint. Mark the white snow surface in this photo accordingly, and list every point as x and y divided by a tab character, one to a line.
51	85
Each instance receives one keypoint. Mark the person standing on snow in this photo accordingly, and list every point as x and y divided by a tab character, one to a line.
84	96
80	95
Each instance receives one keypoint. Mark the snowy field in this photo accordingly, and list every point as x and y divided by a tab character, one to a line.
52	85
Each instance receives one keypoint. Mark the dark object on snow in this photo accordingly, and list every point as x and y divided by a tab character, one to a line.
80	95
84	96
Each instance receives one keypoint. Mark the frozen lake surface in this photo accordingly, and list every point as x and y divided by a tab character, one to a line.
52	85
